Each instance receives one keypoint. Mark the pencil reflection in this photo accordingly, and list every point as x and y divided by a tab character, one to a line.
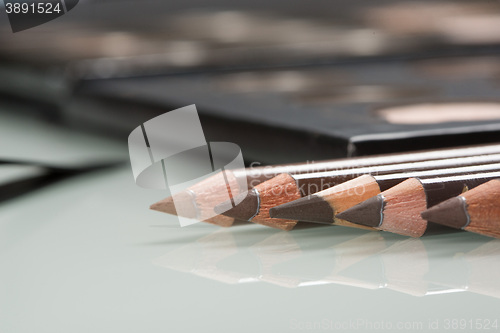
476	271
205	257
483	264
355	258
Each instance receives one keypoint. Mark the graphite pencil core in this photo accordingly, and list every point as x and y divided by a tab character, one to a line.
246	209
367	213
451	213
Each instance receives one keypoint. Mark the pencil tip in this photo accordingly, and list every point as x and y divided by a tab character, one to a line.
367	213
451	213
165	206
311	208
247	207
180	204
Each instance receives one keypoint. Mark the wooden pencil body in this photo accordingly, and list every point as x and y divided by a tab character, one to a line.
401	210
483	208
396	173
256	175
440	189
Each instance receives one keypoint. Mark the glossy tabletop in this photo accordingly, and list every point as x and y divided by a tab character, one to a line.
85	254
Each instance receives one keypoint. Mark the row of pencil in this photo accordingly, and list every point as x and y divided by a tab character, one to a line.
400	193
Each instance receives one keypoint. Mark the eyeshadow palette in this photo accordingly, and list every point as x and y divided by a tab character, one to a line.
316	112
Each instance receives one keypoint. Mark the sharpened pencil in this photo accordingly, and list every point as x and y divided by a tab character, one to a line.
323	206
477	210
257	202
398	209
199	200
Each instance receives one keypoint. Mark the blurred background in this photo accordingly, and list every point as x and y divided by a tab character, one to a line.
305	81
288	82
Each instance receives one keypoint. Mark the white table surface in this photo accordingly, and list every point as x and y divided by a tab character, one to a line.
87	255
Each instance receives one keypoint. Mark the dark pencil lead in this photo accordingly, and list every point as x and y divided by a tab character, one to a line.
368	213
246	208
451	213
310	208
